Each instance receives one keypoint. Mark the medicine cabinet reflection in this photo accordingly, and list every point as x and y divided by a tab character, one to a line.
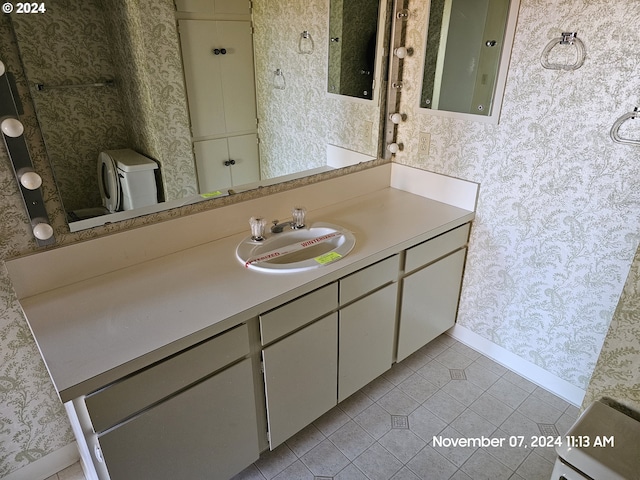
468	45
353	41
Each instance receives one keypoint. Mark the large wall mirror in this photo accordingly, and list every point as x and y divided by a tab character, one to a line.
467	51
219	94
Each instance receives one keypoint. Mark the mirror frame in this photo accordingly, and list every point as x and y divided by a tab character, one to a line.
501	77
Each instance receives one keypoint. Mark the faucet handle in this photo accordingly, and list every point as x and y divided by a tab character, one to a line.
298	215
257	228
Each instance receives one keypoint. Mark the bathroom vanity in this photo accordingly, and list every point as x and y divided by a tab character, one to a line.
174	360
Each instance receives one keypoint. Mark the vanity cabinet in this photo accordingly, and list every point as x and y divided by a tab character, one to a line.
198	413
169	384
345	342
431	289
191	416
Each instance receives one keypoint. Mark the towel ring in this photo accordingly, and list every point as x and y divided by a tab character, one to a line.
615	136
305	43
568	38
279	82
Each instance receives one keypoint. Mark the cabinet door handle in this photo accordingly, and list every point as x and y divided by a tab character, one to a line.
229	162
218	51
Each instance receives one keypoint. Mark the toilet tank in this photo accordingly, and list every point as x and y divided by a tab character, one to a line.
137	178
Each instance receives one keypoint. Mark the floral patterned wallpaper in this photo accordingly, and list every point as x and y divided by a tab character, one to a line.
293	137
558	218
617	373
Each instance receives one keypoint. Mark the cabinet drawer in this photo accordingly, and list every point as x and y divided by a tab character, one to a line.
297	313
431	250
368	279
109	406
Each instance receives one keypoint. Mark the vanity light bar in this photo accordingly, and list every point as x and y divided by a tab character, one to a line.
29	182
393	117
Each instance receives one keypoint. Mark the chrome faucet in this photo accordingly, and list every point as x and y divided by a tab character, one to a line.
279	227
297	222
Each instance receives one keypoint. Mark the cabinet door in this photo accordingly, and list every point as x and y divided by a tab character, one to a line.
237	75
366	340
300	374
208	431
220	87
211	156
203	78
429	303
243	149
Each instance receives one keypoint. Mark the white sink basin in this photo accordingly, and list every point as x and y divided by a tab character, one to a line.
297	250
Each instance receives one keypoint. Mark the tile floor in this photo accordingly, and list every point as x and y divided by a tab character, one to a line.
74	472
386	430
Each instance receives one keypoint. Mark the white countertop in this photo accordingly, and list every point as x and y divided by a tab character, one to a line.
99	329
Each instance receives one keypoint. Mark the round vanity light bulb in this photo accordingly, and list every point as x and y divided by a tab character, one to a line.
43	231
2	69
12	127
400	52
396	118
393	147
31	180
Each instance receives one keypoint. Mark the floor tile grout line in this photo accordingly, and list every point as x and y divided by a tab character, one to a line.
468	408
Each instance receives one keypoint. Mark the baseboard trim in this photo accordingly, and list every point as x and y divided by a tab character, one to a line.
48	465
519	365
